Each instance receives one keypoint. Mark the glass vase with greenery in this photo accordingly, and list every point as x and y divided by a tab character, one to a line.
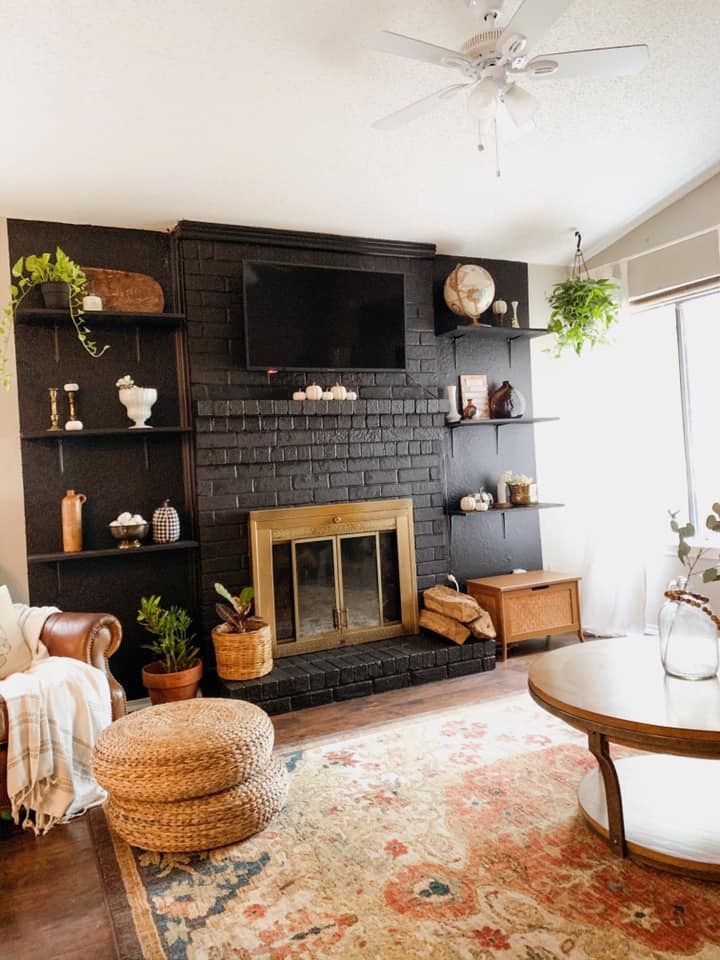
687	626
32	271
170	627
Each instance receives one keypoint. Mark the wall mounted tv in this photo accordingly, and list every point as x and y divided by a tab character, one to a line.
301	317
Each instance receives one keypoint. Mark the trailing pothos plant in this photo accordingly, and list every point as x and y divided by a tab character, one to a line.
29	272
582	310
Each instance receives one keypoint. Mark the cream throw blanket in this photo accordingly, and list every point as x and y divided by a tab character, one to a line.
56	710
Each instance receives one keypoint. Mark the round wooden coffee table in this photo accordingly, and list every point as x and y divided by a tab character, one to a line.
662	807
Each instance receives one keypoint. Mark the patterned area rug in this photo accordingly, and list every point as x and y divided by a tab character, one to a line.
453	836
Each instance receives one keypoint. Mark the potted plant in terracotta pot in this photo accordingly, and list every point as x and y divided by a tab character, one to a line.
176	675
243	642
62	284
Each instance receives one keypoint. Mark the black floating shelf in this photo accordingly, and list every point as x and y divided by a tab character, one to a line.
499	422
493	333
61	557
486	513
109	432
110	317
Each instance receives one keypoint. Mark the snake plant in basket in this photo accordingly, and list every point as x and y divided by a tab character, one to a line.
243	642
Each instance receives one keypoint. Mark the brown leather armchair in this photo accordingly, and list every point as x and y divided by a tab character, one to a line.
91	637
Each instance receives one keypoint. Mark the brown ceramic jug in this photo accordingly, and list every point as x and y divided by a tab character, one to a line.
71	512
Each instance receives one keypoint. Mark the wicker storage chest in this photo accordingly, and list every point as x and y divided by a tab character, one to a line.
525	605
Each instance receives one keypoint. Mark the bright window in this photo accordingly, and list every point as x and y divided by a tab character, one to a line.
698	322
691	456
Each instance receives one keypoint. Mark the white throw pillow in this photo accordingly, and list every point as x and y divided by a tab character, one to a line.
15	654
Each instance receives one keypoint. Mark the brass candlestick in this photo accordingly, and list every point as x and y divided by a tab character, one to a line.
73	423
54	415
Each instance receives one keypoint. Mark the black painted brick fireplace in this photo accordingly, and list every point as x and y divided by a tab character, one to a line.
257	448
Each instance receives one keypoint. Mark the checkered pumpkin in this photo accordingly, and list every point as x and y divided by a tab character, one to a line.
166	524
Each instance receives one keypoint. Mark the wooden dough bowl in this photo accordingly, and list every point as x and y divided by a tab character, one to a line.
125	292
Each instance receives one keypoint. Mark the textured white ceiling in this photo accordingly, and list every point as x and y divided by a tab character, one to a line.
141	112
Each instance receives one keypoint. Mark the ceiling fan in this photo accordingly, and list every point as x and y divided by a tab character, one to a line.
491	62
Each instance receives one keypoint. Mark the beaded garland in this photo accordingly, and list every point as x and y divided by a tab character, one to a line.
694	600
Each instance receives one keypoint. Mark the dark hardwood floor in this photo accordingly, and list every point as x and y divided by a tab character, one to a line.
52	903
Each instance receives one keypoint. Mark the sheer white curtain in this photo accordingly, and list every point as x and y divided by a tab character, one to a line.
616	461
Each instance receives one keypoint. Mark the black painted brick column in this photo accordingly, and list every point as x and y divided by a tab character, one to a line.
257	448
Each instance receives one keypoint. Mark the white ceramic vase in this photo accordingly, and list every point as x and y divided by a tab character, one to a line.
138	401
452	416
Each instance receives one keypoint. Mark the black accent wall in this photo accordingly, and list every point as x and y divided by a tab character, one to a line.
489	543
254	446
119	469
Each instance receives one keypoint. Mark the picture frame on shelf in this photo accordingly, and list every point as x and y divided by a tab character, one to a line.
474	386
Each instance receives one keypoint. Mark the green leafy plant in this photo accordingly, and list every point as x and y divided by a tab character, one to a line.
27	273
238	615
582	311
684	550
170	627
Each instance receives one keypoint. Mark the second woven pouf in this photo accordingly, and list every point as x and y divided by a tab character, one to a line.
190	775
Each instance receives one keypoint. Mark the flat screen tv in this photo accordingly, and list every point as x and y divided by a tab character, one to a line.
323	318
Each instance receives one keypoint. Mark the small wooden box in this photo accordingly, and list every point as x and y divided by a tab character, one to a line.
525	605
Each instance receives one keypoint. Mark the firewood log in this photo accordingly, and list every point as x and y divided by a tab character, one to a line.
445	626
457	606
483	627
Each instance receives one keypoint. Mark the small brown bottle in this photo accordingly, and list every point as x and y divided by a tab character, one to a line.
71	511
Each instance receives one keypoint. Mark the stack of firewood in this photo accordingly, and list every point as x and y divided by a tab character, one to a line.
454	615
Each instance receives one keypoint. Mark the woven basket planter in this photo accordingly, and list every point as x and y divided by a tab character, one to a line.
242	656
204	822
182	750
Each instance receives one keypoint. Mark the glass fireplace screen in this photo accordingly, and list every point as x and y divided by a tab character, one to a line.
329	590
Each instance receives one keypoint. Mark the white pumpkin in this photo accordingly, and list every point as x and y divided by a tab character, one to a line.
313	392
339	392
467	503
299	395
351	395
327	395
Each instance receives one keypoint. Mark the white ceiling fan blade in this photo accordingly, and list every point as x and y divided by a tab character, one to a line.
603	62
533	18
385	41
394	120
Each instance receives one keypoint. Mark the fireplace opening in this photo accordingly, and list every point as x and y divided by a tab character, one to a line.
334	575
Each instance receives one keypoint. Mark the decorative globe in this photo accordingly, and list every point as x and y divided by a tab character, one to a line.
469	290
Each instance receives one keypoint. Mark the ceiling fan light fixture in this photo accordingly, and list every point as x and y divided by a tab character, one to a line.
482	102
521	105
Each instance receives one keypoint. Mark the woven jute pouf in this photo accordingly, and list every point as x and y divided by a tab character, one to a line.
175	751
203	822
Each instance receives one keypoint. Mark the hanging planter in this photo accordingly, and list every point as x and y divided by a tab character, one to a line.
582	309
